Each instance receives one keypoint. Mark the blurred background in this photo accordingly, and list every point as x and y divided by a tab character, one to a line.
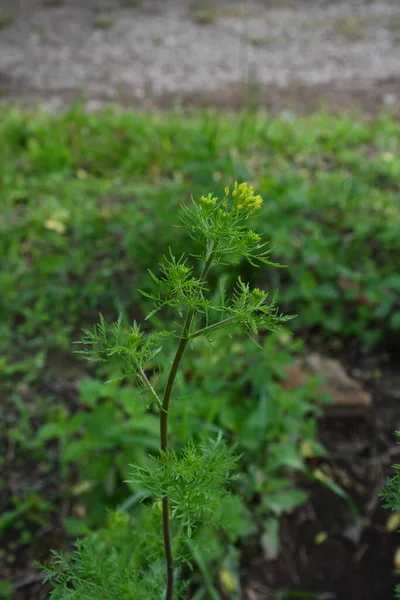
113	113
294	51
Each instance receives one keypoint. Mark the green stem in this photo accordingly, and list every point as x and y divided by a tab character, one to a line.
183	342
212	327
148	383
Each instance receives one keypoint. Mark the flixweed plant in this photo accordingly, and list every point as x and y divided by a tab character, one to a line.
189	487
391	498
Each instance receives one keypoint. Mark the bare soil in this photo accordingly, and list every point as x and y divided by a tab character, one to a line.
332	549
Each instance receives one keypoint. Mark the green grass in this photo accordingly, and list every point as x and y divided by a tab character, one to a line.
5	20
351	27
394	24
260	41
207	14
89	202
104	22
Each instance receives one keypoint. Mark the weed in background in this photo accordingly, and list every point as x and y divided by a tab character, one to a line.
391	497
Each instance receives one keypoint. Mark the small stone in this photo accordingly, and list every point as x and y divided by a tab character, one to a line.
344	390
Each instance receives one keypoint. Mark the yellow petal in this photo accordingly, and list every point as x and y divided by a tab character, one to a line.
320	475
393	522
227	581
320	538
387	156
79	511
54	225
81	174
82	487
396	558
306	449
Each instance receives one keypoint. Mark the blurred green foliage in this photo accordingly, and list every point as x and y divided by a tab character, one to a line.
88	203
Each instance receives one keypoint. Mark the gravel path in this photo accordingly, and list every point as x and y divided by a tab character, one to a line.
132	51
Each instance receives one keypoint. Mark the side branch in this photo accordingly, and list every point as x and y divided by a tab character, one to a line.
211	327
146	380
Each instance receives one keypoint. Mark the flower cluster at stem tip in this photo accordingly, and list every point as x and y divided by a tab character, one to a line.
258	295
244	200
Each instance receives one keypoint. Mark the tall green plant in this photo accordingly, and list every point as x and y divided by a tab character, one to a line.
189	487
391	497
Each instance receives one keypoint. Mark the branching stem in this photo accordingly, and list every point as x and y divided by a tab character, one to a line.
183	342
149	385
212	327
